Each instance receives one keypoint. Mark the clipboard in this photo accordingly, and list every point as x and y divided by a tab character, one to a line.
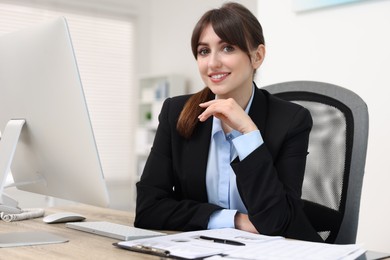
161	252
218	244
146	250
186	245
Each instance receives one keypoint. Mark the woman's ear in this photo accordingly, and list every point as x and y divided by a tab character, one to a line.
258	56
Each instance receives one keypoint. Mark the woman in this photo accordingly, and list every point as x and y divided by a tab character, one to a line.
231	155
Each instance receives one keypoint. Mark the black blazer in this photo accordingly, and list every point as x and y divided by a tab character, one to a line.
171	194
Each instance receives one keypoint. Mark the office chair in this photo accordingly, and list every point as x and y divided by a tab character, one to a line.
337	153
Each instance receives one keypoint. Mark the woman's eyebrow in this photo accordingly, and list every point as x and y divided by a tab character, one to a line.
206	44
202	44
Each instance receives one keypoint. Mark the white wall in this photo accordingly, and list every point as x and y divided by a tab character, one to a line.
348	46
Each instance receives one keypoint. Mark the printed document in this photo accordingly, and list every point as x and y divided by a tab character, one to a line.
232	243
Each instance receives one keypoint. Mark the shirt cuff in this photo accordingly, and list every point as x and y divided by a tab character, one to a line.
247	143
222	219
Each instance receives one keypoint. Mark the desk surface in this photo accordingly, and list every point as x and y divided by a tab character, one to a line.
81	245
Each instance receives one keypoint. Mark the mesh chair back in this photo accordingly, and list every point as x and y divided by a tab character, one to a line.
329	175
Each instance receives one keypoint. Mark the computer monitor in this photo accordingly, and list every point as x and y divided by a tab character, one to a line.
42	98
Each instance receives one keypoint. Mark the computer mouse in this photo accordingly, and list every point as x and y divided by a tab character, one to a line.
63	217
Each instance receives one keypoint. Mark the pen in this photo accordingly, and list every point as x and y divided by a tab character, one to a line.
222	241
151	250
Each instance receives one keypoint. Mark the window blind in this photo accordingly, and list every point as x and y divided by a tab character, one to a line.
104	46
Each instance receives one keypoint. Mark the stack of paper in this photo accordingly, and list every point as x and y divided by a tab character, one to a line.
236	244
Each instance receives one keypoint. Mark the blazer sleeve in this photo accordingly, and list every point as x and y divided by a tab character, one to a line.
270	179
160	200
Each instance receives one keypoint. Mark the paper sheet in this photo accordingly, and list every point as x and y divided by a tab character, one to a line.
189	245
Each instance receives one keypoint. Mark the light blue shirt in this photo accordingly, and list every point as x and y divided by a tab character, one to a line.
220	178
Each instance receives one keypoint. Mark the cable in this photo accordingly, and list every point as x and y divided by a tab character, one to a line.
25	214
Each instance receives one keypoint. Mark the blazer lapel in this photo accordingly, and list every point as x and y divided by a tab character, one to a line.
195	155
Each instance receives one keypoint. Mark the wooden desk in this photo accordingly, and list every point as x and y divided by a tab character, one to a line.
81	245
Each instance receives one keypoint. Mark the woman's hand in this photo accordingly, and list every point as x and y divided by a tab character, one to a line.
242	222
230	113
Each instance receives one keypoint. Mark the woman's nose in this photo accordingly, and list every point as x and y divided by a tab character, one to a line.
215	60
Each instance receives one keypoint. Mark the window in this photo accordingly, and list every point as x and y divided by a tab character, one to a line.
103	44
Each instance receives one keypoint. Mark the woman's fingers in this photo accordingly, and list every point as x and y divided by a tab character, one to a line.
218	107
229	112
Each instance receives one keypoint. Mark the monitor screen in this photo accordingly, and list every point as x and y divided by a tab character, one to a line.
56	154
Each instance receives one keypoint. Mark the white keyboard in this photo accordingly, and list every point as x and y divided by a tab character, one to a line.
117	231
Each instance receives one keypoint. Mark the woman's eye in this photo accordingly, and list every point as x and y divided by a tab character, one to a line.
228	48
203	51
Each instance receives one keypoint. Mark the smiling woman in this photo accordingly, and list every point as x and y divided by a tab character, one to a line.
231	155
219	61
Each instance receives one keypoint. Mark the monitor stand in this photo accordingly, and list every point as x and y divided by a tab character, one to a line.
8	142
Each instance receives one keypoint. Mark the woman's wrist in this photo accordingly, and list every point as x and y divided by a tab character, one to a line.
242	222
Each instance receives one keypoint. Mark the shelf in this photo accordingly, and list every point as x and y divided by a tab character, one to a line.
152	93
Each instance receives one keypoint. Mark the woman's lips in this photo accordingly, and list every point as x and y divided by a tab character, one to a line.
218	77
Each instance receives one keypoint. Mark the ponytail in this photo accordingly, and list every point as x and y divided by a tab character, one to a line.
188	118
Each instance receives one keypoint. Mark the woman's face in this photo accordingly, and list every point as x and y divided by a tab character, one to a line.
224	68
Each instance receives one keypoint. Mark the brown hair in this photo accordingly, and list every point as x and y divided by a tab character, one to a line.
235	25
